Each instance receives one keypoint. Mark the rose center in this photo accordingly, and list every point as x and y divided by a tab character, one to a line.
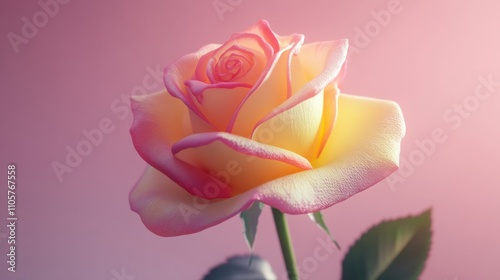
233	65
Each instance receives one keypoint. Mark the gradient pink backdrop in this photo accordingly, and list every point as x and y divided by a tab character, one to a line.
64	80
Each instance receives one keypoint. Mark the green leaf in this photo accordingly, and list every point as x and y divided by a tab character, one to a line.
317	217
391	250
251	219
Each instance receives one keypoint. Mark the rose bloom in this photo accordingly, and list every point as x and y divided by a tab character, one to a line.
258	118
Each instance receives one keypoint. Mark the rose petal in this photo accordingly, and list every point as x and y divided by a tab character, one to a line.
214	97
182	70
263	29
308	116
295	129
246	41
298	76
272	89
178	78
324	59
327	62
198	125
236	160
161	115
256	62
228	95
166	209
362	150
328	119
159	121
201	67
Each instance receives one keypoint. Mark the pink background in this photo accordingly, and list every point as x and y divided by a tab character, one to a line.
427	57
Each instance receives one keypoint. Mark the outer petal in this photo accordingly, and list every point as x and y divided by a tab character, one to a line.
159	121
168	210
237	161
362	150
159	117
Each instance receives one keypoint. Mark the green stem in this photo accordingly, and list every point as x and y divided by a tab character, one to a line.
286	244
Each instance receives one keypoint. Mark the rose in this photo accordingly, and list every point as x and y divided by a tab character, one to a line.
259	118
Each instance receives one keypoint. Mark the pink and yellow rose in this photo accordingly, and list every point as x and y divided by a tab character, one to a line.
258	118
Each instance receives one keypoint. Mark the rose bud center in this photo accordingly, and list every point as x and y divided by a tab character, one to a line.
233	64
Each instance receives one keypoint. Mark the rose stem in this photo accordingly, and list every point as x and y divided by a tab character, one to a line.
286	244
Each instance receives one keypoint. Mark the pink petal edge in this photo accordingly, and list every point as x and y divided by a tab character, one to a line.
242	145
263	29
197	88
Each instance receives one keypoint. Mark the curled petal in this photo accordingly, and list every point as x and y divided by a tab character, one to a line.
159	121
182	70
248	43
330	58
238	161
295	129
328	119
263	29
324	61
237	64
201	69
